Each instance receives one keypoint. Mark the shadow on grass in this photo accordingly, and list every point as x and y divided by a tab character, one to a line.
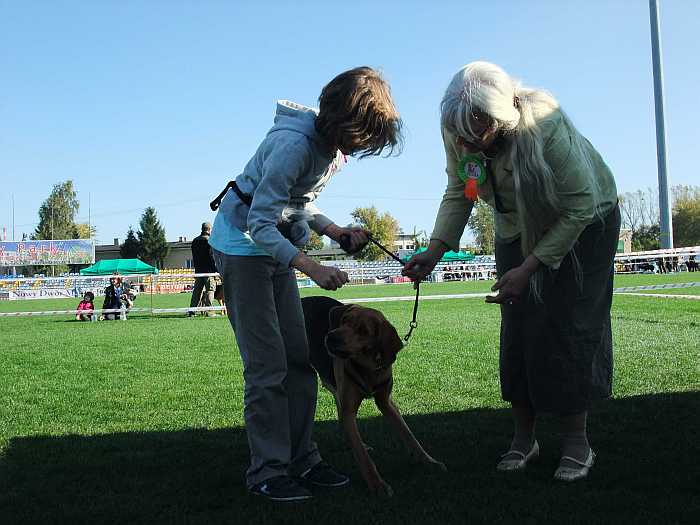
647	471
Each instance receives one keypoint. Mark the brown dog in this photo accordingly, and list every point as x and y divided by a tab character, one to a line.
219	296
353	348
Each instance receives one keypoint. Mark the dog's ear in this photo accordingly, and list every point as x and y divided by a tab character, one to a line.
335	314
391	343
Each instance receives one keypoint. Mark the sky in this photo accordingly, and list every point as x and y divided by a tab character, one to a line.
160	103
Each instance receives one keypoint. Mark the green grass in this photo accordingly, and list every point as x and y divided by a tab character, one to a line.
141	421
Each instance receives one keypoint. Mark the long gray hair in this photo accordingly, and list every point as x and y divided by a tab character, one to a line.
514	110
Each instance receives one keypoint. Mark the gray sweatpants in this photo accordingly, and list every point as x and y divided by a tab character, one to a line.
279	401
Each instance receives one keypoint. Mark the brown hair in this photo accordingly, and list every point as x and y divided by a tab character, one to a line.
357	114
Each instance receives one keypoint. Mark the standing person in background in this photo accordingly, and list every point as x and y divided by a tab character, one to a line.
263	221
203	289
557	224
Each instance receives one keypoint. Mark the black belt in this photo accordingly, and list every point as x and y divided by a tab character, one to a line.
246	198
284	227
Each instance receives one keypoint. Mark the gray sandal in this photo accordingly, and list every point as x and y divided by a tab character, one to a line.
574	473
520	461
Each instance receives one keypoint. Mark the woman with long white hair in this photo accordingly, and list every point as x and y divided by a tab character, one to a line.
557	224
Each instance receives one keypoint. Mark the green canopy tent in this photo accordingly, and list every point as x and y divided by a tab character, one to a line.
448	256
120	267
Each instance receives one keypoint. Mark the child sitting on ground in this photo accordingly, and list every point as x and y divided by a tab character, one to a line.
85	307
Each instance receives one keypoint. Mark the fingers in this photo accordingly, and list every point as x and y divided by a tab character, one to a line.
408	267
498	284
414	272
353	239
416	268
359	239
333	279
503	297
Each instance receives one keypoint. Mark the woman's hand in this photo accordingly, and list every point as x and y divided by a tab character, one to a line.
421	264
512	284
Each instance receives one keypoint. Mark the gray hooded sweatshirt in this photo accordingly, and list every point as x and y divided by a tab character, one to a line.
288	171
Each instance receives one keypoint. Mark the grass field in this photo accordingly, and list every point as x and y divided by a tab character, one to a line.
141	421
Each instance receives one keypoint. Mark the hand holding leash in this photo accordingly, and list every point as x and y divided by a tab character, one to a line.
420	266
353	240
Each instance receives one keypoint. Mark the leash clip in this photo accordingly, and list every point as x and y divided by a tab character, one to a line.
407	337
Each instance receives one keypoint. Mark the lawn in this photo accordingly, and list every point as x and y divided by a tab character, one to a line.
141	421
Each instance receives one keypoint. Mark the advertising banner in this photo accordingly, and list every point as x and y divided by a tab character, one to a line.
25	253
14	295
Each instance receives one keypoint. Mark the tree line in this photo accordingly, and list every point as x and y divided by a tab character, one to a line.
57	220
640	214
639	210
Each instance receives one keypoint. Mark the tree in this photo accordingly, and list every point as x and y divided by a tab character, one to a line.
57	221
639	208
421	239
686	216
151	237
315	242
57	214
481	223
83	230
131	247
646	237
383	227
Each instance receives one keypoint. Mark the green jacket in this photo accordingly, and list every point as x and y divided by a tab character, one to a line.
575	194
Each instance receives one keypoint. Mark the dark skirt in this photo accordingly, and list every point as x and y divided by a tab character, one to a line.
557	354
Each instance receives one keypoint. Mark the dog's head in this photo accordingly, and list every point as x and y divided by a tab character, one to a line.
362	335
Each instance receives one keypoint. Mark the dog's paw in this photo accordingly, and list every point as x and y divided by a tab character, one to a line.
382	489
435	465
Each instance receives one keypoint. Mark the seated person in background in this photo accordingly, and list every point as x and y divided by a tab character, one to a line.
113	295
85	307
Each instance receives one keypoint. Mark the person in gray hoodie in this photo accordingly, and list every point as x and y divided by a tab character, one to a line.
264	218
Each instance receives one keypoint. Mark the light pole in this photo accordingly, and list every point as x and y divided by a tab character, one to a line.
665	222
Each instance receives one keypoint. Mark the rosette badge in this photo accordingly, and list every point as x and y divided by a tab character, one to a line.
472	172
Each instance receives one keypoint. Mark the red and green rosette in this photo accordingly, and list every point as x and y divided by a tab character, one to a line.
472	172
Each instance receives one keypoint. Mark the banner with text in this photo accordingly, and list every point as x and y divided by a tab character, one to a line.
25	253
15	295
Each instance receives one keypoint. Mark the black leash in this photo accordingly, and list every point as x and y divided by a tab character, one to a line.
345	245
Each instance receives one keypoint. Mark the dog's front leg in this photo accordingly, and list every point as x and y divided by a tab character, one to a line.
349	404
391	412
